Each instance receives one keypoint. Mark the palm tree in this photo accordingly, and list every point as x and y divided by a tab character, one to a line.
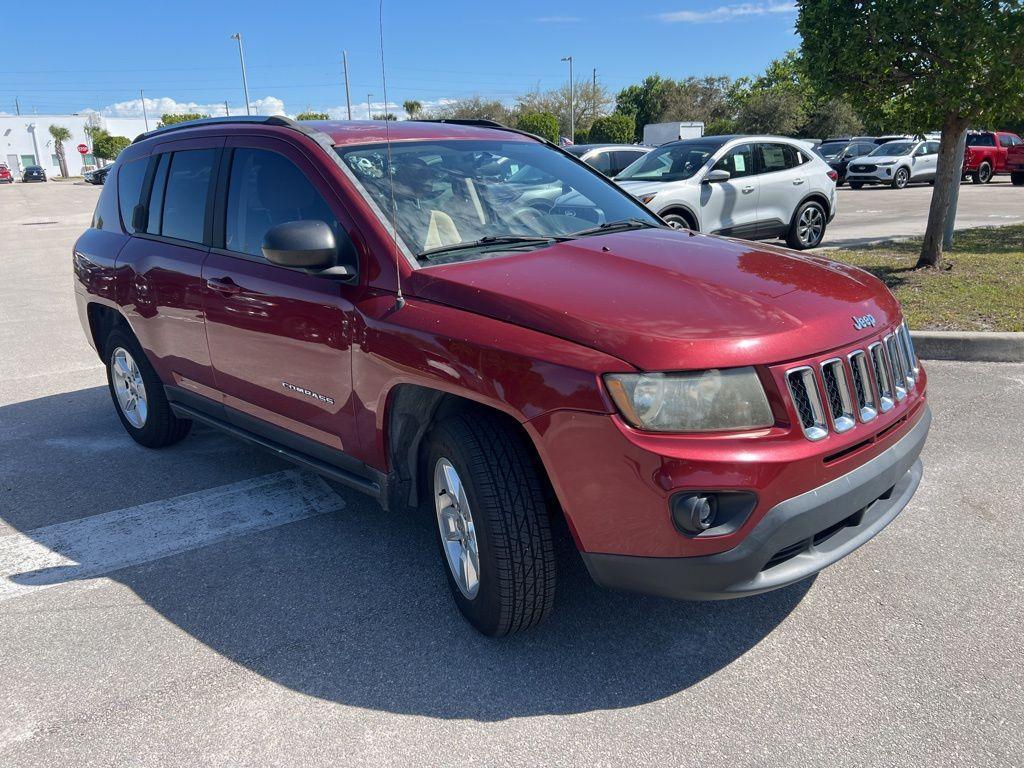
412	108
60	134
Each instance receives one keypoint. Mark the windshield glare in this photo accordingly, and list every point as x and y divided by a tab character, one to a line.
448	192
673	162
893	148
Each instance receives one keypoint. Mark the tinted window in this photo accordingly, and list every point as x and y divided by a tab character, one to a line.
105	215
602	161
831	148
156	197
933	147
188	186
265	190
1009	140
672	162
129	187
864	149
622	158
981	140
738	162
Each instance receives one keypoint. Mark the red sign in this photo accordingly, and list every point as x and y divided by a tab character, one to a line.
83	149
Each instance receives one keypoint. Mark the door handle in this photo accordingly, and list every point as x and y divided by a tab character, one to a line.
747	190
223	285
797	182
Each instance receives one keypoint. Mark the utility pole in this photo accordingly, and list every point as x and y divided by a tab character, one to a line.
241	59
572	102
226	110
17	106
595	80
145	116
369	114
348	95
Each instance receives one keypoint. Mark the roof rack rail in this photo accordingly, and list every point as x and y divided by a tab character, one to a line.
482	123
252	119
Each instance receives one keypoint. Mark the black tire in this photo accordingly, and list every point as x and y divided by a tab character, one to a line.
510	516
678	221
1017	178
160	427
983	175
901	178
807	229
856	185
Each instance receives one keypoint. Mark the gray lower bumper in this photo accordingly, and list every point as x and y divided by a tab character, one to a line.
816	529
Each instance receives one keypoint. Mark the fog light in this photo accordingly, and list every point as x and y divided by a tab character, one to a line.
694	512
710	513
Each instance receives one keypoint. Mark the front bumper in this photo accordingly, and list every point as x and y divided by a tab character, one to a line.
794	540
883	175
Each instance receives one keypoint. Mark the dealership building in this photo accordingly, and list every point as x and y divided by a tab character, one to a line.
25	140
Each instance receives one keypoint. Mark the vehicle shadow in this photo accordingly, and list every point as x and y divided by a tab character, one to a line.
352	607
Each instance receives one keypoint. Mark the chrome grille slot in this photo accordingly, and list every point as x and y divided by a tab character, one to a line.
837	392
864	394
909	357
899	375
804	391
883	381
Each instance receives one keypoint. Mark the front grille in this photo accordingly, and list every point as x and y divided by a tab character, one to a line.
854	388
863	168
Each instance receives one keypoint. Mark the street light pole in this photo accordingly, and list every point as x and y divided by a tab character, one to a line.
572	100
145	115
369	114
348	95
241	58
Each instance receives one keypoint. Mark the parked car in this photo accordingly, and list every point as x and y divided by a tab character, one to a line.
609	159
711	419
985	154
97	175
33	173
839	153
754	187
896	163
1015	164
6	177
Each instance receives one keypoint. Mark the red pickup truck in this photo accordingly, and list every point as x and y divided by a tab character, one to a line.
985	154
1015	164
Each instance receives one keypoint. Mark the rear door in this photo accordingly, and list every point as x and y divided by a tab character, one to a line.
163	202
784	183
280	338
730	207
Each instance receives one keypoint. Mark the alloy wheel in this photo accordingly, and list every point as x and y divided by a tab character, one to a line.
129	388
811	225
455	523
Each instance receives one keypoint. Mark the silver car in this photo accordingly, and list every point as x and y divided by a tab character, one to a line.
754	187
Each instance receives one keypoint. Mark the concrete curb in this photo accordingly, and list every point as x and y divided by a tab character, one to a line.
969	346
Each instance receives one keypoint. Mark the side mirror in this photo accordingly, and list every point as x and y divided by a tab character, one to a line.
716	176
301	244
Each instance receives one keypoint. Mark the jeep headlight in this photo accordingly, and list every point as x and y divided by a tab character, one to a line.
699	401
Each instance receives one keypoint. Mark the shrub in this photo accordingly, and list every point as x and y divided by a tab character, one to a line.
612	129
541	124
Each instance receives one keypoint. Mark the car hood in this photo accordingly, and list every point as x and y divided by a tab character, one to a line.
660	299
876	159
637	188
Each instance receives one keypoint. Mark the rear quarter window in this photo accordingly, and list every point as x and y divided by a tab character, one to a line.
129	188
105	216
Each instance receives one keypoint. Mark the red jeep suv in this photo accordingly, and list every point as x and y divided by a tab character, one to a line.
463	318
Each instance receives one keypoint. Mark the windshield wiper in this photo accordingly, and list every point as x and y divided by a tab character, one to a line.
490	240
617	226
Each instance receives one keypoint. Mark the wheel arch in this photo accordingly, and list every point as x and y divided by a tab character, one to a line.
102	320
818	197
682	210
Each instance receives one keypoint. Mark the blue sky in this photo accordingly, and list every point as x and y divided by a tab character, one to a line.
435	50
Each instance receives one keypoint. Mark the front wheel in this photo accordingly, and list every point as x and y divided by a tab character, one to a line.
901	179
808	226
856	185
494	534
1017	178
983	175
677	221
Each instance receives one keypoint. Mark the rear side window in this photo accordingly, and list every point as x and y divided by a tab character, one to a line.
105	215
186	193
266	189
779	157
129	189
622	159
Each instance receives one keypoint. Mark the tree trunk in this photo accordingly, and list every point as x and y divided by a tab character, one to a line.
59	146
947	178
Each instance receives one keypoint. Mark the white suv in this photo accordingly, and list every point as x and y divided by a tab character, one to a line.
755	187
896	163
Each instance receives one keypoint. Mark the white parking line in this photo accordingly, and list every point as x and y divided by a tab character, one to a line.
93	546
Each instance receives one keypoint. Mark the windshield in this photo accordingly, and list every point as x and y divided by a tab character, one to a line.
459	192
893	148
672	162
832	148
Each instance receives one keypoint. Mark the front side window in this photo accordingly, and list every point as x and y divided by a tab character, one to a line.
449	193
739	161
602	162
188	187
129	189
672	162
933	148
266	189
1009	140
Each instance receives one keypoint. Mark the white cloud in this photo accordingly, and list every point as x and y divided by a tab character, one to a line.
268	105
727	13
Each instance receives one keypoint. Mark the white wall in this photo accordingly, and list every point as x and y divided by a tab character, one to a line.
16	138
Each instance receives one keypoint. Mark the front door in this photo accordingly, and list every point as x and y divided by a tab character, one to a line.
924	161
730	207
280	338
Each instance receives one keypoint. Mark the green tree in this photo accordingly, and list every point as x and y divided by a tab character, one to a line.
831	117
307	115
588	100
170	119
475	108
612	129
542	124
645	102
412	108
384	116
922	65
108	147
778	111
60	134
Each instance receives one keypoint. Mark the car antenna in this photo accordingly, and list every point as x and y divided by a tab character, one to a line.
400	299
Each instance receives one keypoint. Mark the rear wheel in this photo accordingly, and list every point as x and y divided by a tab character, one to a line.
983	175
138	394
494	534
1017	178
808	226
901	179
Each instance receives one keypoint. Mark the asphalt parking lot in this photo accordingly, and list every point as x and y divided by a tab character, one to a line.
210	605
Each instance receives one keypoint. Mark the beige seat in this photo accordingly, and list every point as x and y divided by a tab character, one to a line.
441	231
